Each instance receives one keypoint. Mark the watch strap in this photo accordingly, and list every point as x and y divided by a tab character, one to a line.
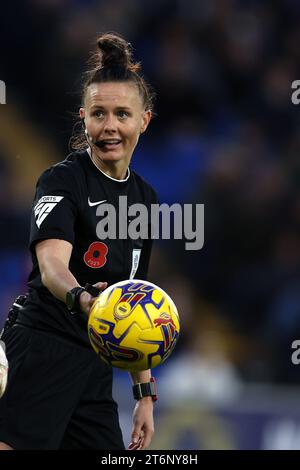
146	389
75	308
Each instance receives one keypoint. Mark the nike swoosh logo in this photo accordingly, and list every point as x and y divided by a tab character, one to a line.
91	204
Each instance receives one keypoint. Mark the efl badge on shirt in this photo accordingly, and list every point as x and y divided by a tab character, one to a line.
44	206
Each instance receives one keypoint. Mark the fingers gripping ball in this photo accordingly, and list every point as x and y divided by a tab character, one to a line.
134	325
3	369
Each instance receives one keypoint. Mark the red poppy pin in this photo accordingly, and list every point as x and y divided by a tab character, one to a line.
95	257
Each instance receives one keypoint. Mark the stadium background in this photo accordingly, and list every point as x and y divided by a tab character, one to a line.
226	135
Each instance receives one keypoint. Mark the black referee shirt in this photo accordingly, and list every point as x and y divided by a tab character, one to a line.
64	207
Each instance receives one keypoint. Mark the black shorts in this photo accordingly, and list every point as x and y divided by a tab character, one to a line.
58	396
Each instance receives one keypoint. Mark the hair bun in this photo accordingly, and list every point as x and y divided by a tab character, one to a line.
114	51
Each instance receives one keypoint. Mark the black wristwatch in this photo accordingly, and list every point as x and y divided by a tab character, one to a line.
73	295
72	300
147	389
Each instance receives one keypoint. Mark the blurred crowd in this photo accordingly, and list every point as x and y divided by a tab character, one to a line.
225	134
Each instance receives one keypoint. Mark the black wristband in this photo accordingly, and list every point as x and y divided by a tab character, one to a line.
72	300
147	389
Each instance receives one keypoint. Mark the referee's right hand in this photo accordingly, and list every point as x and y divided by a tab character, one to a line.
3	369
86	300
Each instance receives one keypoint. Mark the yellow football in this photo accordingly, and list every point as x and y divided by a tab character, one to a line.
133	325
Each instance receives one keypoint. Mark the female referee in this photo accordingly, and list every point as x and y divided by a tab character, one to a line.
59	393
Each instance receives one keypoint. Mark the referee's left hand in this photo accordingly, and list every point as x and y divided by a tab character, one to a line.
3	369
86	300
143	425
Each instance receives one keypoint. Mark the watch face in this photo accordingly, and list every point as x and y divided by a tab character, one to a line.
70	298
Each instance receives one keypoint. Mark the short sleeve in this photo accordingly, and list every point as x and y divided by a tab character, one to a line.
54	208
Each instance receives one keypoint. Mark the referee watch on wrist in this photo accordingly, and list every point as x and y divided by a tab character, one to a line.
146	389
72	300
73	296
